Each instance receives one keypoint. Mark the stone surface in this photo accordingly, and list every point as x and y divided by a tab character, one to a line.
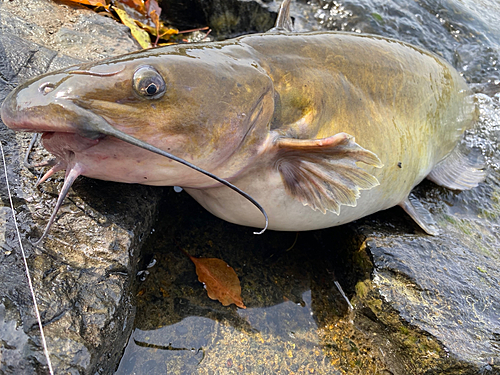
83	270
72	30
226	18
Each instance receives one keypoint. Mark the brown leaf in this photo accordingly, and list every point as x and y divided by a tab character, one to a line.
135	4
220	280
154	12
156	20
152	6
96	3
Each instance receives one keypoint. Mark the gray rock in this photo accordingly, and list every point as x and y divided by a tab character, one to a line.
75	30
83	271
226	18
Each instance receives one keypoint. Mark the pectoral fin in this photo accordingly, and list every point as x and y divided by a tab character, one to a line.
461	170
322	173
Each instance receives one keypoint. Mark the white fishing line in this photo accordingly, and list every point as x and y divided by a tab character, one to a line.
44	343
343	294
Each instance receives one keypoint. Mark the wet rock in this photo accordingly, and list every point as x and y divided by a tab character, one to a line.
74	31
83	271
226	18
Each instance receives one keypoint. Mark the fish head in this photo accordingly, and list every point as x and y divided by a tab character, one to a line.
197	103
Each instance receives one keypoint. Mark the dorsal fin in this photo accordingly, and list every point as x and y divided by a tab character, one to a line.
284	21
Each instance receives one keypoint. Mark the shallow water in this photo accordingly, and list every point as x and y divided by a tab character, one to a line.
292	302
180	330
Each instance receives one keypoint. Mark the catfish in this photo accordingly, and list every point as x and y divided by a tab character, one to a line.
314	129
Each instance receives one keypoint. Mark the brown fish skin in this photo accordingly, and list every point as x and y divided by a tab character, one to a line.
194	119
378	114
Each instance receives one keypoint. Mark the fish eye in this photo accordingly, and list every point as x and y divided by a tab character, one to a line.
148	83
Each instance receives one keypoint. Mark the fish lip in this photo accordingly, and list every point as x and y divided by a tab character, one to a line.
8	112
85	134
64	145
39	118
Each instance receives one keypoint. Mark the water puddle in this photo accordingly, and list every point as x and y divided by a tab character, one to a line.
287	284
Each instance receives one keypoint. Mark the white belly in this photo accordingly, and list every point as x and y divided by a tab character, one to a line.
286	213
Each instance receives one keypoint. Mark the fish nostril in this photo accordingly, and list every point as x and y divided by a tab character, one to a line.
46	87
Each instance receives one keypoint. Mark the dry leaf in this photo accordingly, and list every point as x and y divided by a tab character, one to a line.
164	31
221	282
135	4
156	19
139	34
96	3
152	6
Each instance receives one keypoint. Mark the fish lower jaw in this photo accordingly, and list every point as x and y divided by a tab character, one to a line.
65	145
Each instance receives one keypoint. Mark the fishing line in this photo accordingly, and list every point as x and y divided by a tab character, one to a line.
39	320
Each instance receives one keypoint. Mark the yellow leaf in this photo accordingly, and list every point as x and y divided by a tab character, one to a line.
139	34
164	31
167	31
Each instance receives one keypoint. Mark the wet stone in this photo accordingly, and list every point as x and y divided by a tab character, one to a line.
83	270
226	18
75	30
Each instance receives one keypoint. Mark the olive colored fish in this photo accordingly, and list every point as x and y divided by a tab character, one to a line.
320	128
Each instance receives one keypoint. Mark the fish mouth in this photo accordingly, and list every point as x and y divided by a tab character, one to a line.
78	132
85	131
28	110
64	145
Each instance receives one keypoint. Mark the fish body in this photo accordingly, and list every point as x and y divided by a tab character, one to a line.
407	106
320	128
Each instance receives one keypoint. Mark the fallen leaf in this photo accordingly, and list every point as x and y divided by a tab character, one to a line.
139	34
135	4
164	31
156	19
221	282
96	3
152	6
